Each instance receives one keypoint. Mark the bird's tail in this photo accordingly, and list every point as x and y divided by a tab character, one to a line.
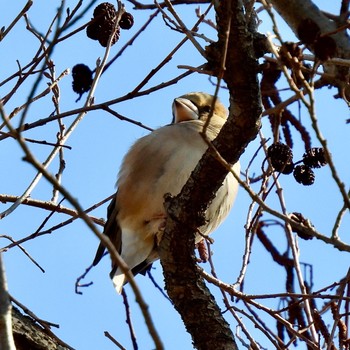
118	282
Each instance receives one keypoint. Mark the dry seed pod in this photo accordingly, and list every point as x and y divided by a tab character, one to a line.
298	217
304	175
102	27
126	20
293	49
82	78
314	157
281	157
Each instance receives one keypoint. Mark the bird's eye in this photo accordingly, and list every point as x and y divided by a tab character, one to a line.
206	109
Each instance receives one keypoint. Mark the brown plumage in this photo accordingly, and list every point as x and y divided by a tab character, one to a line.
161	163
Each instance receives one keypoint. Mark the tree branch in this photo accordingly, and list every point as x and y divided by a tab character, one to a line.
296	12
6	336
185	286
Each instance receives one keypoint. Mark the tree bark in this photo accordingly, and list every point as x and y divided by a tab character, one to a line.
296	12
201	315
29	335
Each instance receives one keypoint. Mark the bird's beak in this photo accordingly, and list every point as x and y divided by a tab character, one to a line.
184	110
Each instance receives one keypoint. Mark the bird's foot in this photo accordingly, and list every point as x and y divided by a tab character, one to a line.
202	251
160	223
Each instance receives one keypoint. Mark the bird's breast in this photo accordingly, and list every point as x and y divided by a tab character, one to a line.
158	163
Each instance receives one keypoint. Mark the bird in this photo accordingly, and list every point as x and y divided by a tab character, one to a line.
157	164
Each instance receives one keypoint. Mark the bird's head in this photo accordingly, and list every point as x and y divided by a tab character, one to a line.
197	106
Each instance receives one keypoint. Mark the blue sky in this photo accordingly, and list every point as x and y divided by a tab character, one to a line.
98	146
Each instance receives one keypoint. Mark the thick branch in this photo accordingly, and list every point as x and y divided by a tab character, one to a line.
186	288
296	11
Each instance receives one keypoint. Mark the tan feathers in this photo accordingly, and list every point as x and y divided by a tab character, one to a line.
160	163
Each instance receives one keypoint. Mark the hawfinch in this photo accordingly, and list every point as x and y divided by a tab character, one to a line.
161	163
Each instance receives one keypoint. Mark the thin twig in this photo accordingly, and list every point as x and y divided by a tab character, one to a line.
131	41
161	290
47	53
64	138
140	6
336	242
328	156
25	9
50	206
86	109
113	340
42	171
128	320
338	221
36	234
184	28
80	278
227	303
234	293
23	250
52	86
340	300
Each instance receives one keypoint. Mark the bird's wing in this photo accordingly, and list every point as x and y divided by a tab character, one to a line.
111	229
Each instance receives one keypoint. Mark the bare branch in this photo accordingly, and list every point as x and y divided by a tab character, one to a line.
26	7
6	336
